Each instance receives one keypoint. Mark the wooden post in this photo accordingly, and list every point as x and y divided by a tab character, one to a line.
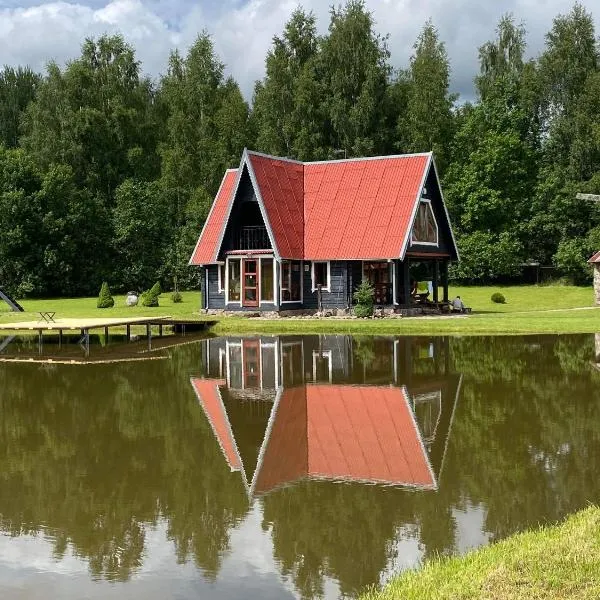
106	334
40	341
406	282
160	333
445	280
128	334
149	335
60	338
436	280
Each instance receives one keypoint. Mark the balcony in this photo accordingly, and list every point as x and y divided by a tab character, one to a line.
251	237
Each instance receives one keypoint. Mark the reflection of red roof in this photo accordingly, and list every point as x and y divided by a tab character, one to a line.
356	433
346	209
207	391
205	251
281	188
361	209
595	258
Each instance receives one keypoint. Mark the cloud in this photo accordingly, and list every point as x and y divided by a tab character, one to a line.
242	30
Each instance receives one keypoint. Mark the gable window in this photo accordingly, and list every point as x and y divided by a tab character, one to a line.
221	277
425	229
291	281
321	276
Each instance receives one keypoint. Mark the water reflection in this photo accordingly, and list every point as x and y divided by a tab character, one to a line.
287	409
291	467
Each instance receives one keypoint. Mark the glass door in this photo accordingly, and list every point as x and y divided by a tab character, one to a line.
250	279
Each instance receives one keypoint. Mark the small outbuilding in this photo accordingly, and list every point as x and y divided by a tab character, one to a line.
595	262
285	235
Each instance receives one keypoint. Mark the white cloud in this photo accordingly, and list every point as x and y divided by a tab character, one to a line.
243	30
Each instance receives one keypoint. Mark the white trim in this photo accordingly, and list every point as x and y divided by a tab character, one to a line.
414	242
416	206
456	398
209	214
282	158
220	285
312	276
275	302
261	202
324	353
228	261
437	178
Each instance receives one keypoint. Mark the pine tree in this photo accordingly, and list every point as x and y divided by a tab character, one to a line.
105	300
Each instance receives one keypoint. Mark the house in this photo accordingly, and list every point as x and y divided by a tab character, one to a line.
595	262
285	235
260	393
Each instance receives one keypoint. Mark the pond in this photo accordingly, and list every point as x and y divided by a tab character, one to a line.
285	466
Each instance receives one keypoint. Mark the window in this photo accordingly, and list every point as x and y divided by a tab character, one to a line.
291	281
425	229
221	268
234	281
320	276
266	280
322	371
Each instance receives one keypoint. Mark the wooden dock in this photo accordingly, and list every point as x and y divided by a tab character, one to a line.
84	325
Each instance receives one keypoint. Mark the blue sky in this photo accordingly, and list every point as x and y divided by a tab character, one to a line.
36	31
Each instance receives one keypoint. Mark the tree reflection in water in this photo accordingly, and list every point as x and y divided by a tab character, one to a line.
93	456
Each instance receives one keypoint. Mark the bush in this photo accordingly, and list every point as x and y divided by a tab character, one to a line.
105	300
498	298
176	298
150	297
363	296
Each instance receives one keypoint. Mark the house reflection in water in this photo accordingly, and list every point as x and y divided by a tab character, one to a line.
369	410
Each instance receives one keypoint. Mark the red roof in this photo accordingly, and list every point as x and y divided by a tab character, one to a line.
206	249
595	259
361	209
347	209
280	184
341	432
207	391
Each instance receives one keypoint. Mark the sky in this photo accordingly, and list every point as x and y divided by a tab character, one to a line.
33	32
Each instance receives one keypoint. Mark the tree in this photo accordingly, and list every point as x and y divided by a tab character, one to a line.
105	299
287	108
354	70
17	89
427	122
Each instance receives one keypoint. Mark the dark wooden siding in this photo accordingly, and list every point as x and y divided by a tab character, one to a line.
338	296
216	300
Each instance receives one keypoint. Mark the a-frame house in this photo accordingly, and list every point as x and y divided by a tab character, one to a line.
285	235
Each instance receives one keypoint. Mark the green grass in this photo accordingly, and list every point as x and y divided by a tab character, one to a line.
529	309
559	562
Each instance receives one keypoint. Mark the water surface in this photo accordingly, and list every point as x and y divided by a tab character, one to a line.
284	467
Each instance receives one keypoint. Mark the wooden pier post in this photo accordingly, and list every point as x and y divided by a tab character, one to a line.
128	333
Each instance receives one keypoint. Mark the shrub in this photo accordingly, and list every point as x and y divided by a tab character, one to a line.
105	300
363	296
150	297
498	298
176	297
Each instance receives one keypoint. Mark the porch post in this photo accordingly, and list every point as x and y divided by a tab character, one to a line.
276	271
395	276
436	280
406	282
445	279
204	289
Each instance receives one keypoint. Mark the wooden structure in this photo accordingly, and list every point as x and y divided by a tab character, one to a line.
285	235
595	262
83	326
14	305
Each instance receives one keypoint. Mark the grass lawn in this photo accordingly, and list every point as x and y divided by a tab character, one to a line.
529	309
560	562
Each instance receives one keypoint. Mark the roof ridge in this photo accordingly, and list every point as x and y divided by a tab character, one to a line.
365	158
273	157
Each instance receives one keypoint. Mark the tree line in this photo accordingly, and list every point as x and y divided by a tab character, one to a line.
106	174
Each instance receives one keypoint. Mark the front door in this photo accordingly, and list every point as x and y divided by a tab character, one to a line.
251	363
250	283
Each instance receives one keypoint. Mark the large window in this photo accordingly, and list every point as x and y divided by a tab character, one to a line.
291	281
234	282
425	229
320	276
266	280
